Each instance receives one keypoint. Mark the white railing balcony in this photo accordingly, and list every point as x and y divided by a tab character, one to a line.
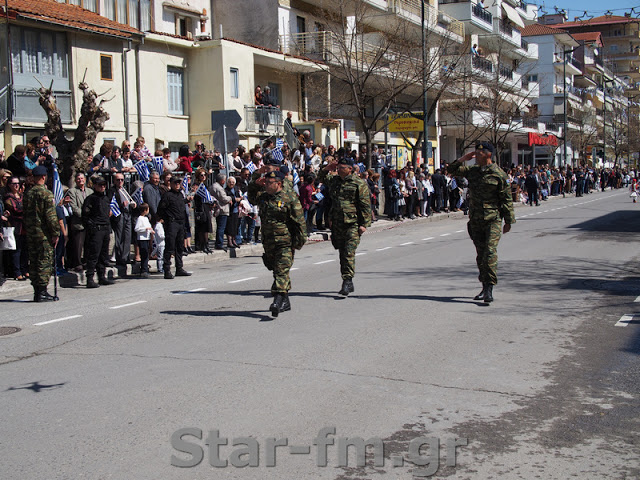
412	9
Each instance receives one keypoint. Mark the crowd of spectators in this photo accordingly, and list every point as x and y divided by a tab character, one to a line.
222	218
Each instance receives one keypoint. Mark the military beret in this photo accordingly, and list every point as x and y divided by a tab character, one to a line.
271	160
99	181
485	146
284	169
346	161
275	174
39	171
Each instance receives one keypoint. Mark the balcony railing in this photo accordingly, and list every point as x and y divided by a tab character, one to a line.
26	106
482	64
505	28
530	122
524	44
505	72
4	105
482	14
552	126
263	119
315	45
432	18
525	83
576	63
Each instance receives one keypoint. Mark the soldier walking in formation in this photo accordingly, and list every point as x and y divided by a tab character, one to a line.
349	216
490	203
43	229
283	230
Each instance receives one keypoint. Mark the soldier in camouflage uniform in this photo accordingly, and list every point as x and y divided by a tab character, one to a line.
490	203
349	215
43	229
283	232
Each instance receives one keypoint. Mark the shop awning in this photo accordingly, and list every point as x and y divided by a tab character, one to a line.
512	15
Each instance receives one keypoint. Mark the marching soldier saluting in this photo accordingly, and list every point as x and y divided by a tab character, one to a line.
43	229
283	231
490	203
350	215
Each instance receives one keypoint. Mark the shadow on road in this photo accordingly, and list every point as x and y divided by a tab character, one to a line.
37	387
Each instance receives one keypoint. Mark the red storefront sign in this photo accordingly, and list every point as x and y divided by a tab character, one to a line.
537	139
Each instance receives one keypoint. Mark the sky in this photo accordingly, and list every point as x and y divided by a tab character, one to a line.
576	8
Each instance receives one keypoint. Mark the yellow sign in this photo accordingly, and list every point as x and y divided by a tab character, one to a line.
405	122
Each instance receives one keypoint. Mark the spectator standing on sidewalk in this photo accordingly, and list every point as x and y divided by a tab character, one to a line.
172	213
95	217
144	233
14	212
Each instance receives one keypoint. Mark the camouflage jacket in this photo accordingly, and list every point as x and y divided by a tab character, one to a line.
40	217
350	199
489	191
281	216
287	185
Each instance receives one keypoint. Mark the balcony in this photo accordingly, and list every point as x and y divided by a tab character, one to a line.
505	72
505	28
524	83
482	64
529	122
476	20
412	11
26	106
263	120
552	126
484	15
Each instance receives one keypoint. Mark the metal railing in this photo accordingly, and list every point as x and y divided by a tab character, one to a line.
524	44
505	28
482	64
576	63
290	136
316	45
554	127
432	17
524	82
505	72
4	105
263	119
482	14
26	106
530	122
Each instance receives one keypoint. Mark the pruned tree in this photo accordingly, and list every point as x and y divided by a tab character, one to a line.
616	133
373	63
584	132
74	155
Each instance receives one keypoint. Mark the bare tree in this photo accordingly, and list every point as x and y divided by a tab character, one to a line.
616	132
74	155
374	64
584	132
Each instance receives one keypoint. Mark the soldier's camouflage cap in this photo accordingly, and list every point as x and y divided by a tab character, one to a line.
276	174
346	161
39	171
485	146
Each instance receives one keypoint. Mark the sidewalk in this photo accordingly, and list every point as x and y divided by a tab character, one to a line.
13	288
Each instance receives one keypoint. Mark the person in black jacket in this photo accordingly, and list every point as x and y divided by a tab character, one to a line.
439	183
172	214
532	184
95	217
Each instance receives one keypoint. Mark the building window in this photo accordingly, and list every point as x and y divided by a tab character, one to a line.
136	13
175	90
36	52
234	82
106	67
184	26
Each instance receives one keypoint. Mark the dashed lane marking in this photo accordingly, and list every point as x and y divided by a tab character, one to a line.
361	253
406	243
243	280
625	320
459	231
427	239
127	305
381	249
326	261
294	268
189	291
57	320
445	234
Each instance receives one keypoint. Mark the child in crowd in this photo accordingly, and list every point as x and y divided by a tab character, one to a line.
159	248
144	232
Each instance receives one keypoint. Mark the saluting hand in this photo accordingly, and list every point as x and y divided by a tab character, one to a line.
506	228
361	230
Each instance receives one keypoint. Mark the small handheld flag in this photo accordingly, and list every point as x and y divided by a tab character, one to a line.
279	142
137	197
157	162
296	177
185	184
113	206
204	194
251	167
277	154
143	170
57	186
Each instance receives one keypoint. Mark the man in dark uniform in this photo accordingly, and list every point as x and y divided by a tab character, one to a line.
491	202
95	217
172	213
43	229
283	232
349	215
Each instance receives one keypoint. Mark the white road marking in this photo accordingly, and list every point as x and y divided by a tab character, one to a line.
445	234
637	299
326	261
128	304
406	243
624	320
426	239
361	253
243	280
459	231
381	249
294	268
57	320
190	291
545	211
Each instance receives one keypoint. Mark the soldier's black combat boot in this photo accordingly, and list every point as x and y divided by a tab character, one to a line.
488	294
91	283
276	306
41	295
103	280
480	296
347	287
286	305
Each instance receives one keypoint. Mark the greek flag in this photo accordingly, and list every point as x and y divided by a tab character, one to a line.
204	194
157	163
296	177
279	142
143	170
277	154
361	167
185	184
251	167
137	197
113	206
57	186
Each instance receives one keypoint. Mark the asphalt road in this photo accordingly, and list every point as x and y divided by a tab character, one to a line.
543	383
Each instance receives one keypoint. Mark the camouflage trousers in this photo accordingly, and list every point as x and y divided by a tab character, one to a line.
345	239
40	260
485	236
279	260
